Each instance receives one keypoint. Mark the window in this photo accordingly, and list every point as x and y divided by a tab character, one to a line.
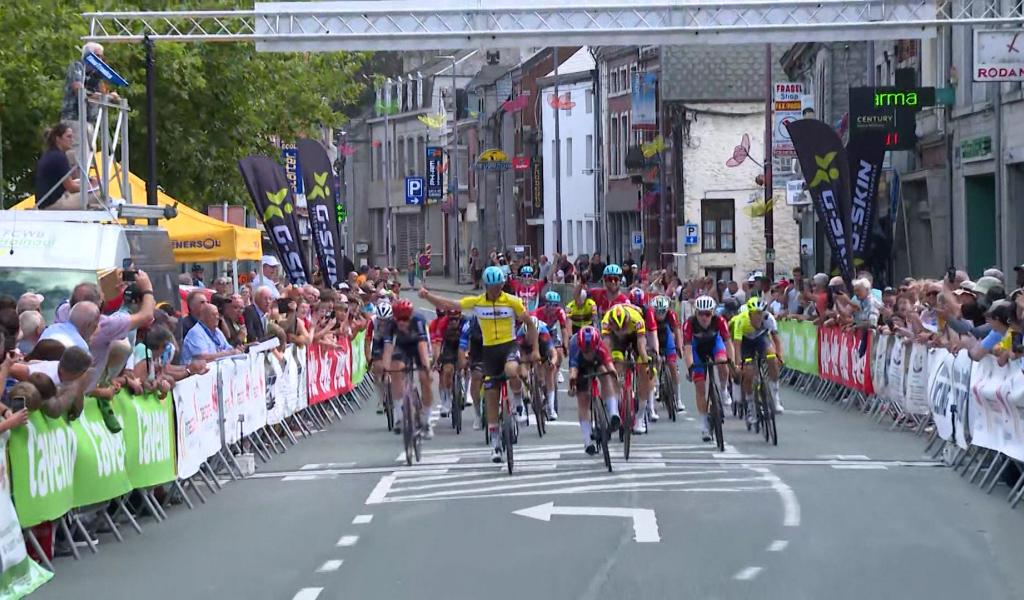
614	137
588	149
389	162
568	98
588	95
568	157
554	152
614	87
401	158
591	246
568	237
374	157
579	238
624	141
718	218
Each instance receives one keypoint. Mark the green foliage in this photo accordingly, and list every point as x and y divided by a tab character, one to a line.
215	102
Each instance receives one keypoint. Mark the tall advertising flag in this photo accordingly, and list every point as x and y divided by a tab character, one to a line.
827	172
275	204
866	152
319	182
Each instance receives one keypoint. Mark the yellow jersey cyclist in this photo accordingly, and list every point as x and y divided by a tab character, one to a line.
753	331
582	311
624	328
497	313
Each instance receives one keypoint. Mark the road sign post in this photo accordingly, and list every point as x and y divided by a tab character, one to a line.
415	190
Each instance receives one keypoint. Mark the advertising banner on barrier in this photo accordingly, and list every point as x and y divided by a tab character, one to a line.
148	439
1012	392
198	429
949	385
276	371
19	575
990	416
100	471
800	345
880	363
896	372
329	371
42	457
916	397
841	360
359	365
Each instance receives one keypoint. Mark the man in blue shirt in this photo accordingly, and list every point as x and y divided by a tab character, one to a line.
205	340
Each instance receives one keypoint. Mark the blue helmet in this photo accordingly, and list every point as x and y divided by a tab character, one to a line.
494	276
613	270
553	296
526	271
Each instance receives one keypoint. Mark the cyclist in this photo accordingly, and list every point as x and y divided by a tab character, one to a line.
638	298
582	311
497	313
406	342
756	331
669	337
611	294
552	315
471	348
705	334
378	326
444	337
624	328
589	355
525	286
547	355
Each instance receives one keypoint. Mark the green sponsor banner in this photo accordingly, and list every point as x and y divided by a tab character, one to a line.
21	579
100	472
42	457
358	358
19	574
148	438
800	345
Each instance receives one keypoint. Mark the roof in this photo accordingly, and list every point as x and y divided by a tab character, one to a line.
579	62
487	75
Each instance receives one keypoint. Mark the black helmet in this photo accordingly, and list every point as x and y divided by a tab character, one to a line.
731	305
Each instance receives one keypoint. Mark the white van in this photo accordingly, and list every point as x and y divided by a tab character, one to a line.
49	252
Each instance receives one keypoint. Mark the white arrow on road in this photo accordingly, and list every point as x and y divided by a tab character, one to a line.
645	524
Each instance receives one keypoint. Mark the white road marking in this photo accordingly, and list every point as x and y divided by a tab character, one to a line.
843	456
645	522
381	489
869	467
308	594
329	566
747	574
362	519
790	505
348	540
307	477
320	466
777	546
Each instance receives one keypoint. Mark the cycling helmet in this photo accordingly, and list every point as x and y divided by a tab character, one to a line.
756	304
384	310
535	321
618	315
638	297
494	276
660	304
402	310
587	339
583	295
526	271
705	304
553	297
612	270
731	305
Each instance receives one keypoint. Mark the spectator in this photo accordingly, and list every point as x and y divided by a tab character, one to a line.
69	375
995	274
269	265
83	320
54	186
736	292
582	264
197	275
30	301
424	263
222	285
544	267
120	325
1020	275
476	267
206	341
184	279
257	315
362	274
863	305
295	330
232	322
79	75
31	324
194	301
645	272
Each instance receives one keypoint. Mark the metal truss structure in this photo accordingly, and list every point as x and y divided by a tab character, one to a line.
458	24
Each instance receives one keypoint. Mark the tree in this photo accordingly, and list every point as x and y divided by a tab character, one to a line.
216	102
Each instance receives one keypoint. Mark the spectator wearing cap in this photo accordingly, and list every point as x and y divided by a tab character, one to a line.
362	274
269	266
999	317
996	274
197	275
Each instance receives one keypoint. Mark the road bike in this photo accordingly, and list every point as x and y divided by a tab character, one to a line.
508	428
600	425
667	391
537	393
764	403
388	402
715	413
628	411
411	434
458	400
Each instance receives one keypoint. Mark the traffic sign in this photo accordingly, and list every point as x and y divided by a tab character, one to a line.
414	190
690	235
638	240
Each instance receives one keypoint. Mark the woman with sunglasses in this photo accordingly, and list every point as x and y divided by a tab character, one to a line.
705	334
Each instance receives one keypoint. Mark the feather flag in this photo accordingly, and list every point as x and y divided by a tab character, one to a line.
655	146
516	104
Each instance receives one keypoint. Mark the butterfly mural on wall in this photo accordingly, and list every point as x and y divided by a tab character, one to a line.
563	102
741	153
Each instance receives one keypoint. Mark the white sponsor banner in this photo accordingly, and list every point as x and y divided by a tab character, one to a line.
1012	392
302	401
254	406
198	430
880	364
989	414
275	370
940	391
916	381
896	371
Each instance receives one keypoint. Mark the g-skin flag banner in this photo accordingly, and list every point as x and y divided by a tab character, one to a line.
319	182
826	170
272	197
866	153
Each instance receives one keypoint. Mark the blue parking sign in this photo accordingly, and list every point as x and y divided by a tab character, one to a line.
414	190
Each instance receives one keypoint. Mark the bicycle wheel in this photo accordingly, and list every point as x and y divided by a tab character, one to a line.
627	422
407	433
457	403
601	434
668	394
507	424
417	437
715	411
536	398
389	406
771	433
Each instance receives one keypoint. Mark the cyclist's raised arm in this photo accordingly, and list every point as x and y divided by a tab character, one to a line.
439	301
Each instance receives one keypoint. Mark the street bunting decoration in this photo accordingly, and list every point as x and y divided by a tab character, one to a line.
318	176
827	172
432	121
275	205
644	102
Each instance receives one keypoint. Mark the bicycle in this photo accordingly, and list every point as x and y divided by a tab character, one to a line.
388	402
628	410
458	401
537	395
667	391
508	428
764	404
715	413
601	430
411	437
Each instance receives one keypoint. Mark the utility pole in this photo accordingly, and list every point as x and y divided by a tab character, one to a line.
151	183
453	166
558	163
769	215
388	236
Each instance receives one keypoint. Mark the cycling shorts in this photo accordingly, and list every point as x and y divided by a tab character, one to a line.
449	353
376	349
749	347
494	359
476	355
718	353
405	354
619	346
667	346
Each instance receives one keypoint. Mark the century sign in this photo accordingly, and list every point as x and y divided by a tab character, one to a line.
891	110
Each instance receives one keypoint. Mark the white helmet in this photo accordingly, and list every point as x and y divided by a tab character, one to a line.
705	303
384	310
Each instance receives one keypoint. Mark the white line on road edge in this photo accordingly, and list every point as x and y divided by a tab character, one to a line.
861	467
747	574
381	489
308	594
790	505
330	566
319	466
362	519
777	546
306	477
348	540
645	523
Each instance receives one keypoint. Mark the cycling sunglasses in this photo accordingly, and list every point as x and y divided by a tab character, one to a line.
612	279
704	313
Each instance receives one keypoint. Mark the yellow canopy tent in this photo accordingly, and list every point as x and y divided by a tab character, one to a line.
195	236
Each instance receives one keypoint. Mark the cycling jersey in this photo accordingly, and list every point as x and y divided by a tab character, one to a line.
693	333
577	360
554	319
635	323
527	292
445	330
497	317
603	301
470	333
543	336
742	327
409	339
581	315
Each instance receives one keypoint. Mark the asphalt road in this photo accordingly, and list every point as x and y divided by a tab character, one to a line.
840	509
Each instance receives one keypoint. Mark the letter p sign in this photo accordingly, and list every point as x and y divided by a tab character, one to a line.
414	190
